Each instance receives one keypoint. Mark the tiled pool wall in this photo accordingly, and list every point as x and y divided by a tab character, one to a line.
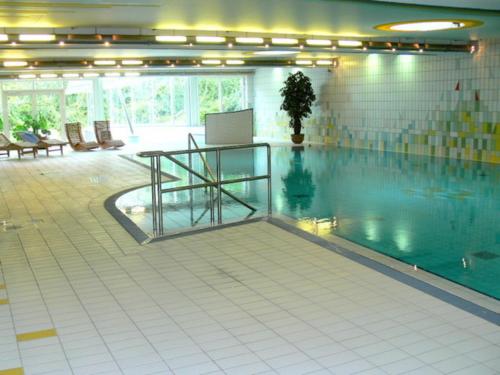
446	105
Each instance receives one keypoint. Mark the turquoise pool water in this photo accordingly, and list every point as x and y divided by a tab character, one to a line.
438	214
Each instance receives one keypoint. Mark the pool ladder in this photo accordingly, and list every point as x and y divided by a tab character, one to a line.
212	181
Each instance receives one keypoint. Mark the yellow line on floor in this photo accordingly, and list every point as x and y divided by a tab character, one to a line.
12	371
36	335
4	301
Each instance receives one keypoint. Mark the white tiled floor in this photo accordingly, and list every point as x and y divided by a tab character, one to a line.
250	299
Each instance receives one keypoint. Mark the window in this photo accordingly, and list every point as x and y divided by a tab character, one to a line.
177	100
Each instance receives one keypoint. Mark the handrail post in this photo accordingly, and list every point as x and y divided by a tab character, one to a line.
159	195
219	187
269	183
190	177
154	210
212	217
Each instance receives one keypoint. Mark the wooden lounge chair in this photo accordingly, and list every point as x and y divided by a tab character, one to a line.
22	148
75	138
103	135
49	145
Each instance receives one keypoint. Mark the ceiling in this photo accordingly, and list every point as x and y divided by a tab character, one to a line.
324	17
327	18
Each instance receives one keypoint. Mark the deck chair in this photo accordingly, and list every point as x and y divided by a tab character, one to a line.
49	145
103	135
75	138
22	148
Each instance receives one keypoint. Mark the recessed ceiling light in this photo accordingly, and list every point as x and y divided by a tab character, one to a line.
132	74
112	74
37	37
71	75
324	62
285	41
429	25
275	53
210	39
245	40
171	38
235	62
4	37
90	75
319	42
349	43
14	64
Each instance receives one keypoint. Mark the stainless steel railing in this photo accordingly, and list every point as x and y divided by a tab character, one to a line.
211	180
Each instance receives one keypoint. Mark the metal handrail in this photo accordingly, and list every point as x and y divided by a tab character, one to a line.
215	183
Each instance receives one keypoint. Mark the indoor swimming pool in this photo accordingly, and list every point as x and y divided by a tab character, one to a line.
438	214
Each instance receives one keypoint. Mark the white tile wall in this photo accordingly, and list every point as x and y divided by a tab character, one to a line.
403	103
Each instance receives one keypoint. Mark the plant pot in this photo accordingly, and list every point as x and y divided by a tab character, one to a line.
297	138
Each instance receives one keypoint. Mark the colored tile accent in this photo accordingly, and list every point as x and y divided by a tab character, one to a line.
12	371
36	335
4	301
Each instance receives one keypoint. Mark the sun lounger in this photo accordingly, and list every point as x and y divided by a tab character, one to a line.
75	138
22	148
49	145
103	136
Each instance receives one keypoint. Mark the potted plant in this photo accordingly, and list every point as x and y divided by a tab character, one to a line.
298	96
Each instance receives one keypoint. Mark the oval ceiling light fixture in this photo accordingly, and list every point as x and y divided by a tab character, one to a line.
171	38
104	62
4	38
131	62
285	41
319	42
210	39
429	25
37	37
15	64
303	62
48	75
235	62
349	43
211	62
249	40
27	76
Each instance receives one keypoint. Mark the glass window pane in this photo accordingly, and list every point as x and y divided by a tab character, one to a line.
232	94
49	84
78	101
180	89
162	111
21	84
208	96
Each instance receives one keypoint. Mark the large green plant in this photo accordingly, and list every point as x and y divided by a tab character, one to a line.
298	96
39	124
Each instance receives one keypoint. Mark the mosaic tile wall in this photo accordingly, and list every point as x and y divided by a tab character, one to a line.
446	106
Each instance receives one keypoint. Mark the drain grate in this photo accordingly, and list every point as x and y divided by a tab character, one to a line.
485	255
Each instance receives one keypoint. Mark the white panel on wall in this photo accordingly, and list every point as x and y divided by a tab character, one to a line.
229	127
